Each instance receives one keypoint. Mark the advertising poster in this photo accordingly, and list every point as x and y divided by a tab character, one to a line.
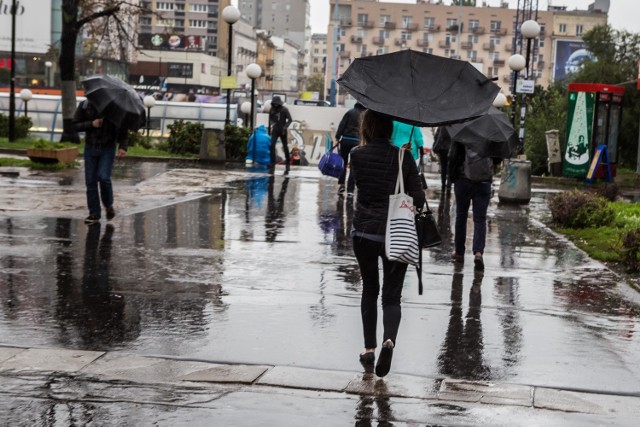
33	26
569	56
579	133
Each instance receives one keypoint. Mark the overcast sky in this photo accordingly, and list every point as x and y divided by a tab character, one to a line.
623	14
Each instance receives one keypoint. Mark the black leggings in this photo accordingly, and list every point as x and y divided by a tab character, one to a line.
285	146
367	253
345	148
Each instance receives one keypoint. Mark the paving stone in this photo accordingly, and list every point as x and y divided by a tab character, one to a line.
143	369
395	386
460	396
313	379
8	352
491	393
568	401
244	374
49	359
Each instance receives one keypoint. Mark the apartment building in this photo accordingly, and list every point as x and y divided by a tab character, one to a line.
484	36
200	20
318	53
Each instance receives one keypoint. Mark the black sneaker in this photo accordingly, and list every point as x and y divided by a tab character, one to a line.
111	213
91	219
384	360
478	261
341	190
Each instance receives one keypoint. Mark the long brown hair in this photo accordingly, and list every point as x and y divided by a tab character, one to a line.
375	126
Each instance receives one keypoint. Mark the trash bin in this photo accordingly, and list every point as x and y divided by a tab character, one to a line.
515	184
212	145
553	152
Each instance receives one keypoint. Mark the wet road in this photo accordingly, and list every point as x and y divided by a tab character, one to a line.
261	270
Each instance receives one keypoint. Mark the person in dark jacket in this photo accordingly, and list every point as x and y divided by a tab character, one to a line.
348	135
374	164
101	138
441	146
472	176
279	121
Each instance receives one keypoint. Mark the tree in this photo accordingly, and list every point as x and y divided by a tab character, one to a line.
616	56
114	18
315	83
464	3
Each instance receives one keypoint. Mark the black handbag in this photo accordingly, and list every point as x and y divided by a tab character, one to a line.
428	236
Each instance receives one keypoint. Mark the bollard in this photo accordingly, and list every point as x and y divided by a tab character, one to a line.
515	184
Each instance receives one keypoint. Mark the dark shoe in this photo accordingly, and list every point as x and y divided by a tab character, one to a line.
111	213
92	219
367	360
341	190
478	261
384	360
456	257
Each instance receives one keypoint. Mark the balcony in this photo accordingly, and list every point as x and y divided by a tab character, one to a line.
540	65
366	24
489	46
477	30
498	62
379	41
432	29
400	42
270	62
508	47
345	54
345	23
356	39
268	77
389	25
442	44
466	45
410	27
423	43
452	28
499	31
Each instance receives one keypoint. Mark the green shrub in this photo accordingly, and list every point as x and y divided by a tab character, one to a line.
578	209
136	139
23	124
184	137
631	249
608	191
43	144
235	142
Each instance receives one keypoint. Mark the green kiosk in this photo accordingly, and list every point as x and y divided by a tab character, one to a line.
593	124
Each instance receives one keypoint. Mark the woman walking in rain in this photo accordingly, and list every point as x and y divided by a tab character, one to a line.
375	167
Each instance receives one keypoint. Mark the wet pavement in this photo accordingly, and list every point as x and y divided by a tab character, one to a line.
236	266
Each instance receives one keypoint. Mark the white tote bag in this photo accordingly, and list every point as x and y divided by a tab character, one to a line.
401	240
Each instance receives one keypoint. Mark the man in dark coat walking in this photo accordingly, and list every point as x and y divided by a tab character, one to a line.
348	135
279	121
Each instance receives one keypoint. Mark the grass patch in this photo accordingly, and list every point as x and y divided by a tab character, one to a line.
602	243
137	150
9	161
19	144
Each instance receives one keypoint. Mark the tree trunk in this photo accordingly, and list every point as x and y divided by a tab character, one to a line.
68	68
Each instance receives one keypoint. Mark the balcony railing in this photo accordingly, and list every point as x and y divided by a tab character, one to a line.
489	46
432	28
499	31
477	30
345	54
541	65
345	22
378	40
508	47
444	44
466	45
389	25
410	27
498	62
423	43
366	24
400	42
452	28
356	39
270	62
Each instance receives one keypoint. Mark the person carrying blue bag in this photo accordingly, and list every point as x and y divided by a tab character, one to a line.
348	136
258	147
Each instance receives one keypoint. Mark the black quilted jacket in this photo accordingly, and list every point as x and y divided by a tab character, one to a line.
375	168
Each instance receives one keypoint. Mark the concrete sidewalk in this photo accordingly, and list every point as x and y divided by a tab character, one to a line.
263	394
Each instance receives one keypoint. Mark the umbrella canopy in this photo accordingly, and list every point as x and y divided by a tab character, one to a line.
116	101
491	135
419	88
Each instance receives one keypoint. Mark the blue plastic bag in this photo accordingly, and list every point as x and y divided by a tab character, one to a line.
259	146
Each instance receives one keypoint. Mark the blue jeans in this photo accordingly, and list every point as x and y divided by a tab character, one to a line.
479	193
98	164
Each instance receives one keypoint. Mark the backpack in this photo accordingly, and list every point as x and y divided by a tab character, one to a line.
477	168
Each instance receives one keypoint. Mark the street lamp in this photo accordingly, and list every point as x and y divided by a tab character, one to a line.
230	15
253	72
47	68
516	64
149	102
25	95
499	101
246	108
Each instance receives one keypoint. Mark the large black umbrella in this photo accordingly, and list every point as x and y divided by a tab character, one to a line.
491	135
116	101
418	88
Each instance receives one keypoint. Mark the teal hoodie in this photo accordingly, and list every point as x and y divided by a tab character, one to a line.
401	134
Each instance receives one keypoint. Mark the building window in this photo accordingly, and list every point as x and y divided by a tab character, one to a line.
198	8
362	18
494	56
165	22
449	53
495	25
429	22
472	55
474	23
145	20
384	19
197	23
161	5
579	30
450	38
179	23
492	72
494	41
383	34
363	50
428	50
405	35
407	21
472	38
361	33
562	28
451	22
